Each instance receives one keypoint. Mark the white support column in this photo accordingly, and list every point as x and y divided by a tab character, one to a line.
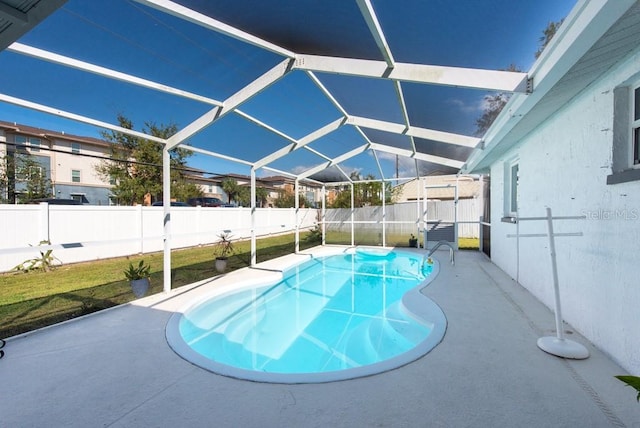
324	214
353	212
384	215
297	205
253	218
166	206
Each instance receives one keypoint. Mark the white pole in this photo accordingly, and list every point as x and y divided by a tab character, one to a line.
297	205
384	215
324	214
353	212
554	271
253	217
166	207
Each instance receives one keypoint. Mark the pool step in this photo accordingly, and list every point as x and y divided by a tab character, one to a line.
358	346
387	334
384	337
238	328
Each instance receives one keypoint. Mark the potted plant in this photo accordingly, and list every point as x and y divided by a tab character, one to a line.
138	277
413	241
223	249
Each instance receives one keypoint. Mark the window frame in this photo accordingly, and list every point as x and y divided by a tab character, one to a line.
79	180
34	147
625	142
634	128
511	187
75	148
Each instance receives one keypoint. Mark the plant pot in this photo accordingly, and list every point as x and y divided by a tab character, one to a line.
221	264
413	243
140	286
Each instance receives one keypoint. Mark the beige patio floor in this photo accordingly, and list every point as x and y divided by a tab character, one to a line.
115	369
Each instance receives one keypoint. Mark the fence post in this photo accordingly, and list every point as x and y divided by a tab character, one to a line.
43	233
140	223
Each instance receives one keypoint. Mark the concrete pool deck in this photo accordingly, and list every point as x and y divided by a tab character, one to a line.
114	368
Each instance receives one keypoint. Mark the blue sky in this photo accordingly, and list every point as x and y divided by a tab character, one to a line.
131	38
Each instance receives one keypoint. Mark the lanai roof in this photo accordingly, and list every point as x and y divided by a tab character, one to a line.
362	80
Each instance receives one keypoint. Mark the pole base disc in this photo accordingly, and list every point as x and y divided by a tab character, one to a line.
563	348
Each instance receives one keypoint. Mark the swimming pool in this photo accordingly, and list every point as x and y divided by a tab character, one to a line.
346	315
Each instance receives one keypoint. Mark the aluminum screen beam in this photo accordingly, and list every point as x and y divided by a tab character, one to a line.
315	135
369	14
215	155
205	21
414	131
66	61
419	156
363	148
78	118
231	103
492	80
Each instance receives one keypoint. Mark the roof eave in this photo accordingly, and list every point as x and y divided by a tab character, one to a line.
583	27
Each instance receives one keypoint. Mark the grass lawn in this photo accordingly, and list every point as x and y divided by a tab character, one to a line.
36	299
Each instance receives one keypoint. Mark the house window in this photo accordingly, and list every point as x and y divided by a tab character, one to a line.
31	173
625	165
635	128
511	176
21	143
77	198
34	144
75	175
75	148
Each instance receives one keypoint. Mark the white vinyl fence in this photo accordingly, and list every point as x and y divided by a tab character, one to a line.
82	233
410	216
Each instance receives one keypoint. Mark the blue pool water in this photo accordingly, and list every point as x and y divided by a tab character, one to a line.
327	315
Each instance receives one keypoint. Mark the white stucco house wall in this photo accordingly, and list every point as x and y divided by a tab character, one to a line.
572	145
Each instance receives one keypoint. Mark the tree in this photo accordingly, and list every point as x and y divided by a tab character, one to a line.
496	102
493	105
23	178
31	179
261	196
288	200
231	188
243	196
547	35
368	193
135	165
4	180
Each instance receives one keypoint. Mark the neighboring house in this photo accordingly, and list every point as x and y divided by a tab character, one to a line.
274	185
279	183
573	145
68	161
211	186
440	187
